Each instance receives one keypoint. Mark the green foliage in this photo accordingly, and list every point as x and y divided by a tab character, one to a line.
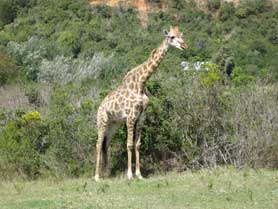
31	116
256	6
10	8
22	142
7	11
73	29
214	4
241	77
30	54
8	70
69	40
241	12
226	11
33	96
210	77
82	52
72	133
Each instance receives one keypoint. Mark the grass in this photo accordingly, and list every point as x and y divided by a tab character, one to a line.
218	188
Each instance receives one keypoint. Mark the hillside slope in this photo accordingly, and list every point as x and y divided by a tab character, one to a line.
145	6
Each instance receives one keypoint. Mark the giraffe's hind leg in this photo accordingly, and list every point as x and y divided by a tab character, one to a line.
111	130
130	134
101	137
104	150
102	125
138	132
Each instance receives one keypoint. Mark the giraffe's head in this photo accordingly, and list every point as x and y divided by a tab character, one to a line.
174	38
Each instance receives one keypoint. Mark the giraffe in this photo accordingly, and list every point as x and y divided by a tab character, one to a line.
127	103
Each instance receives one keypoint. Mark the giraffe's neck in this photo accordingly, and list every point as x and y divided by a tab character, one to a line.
153	61
143	72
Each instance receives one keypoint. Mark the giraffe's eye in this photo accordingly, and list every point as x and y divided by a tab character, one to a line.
172	37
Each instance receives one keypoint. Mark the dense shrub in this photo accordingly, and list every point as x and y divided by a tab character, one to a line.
195	119
7	11
30	54
8	70
10	8
241	12
63	70
226	11
214	4
256	6
72	132
21	144
241	76
254	120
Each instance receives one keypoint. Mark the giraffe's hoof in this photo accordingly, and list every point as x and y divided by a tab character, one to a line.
139	176
97	178
129	176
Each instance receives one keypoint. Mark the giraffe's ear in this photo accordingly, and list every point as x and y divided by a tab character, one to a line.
166	33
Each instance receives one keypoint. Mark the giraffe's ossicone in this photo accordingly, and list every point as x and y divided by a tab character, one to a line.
127	103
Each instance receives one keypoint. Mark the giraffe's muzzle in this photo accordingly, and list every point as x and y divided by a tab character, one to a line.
184	46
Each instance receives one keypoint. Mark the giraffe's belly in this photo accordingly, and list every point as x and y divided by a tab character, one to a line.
117	115
145	101
130	105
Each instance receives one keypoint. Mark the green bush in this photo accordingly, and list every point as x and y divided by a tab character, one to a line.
241	76
72	133
81	53
69	42
257	6
241	12
10	8
214	4
226	11
7	11
8	70
33	96
211	77
253	118
21	144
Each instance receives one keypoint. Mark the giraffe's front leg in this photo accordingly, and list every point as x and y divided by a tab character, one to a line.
130	135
